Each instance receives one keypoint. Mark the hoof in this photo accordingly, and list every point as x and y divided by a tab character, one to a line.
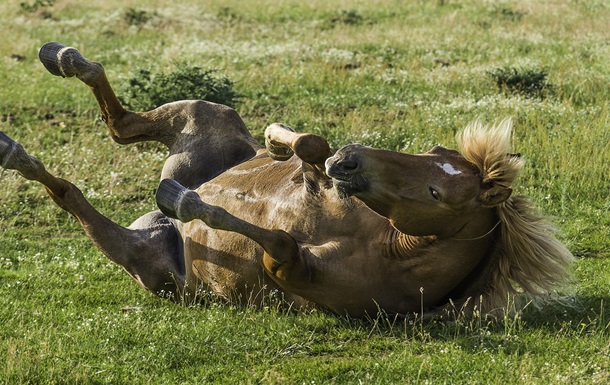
170	197
60	60
7	147
278	152
312	149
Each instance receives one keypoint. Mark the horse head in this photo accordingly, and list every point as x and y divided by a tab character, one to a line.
436	193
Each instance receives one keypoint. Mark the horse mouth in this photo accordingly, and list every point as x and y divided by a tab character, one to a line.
345	189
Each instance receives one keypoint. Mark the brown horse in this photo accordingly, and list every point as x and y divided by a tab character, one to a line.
358	232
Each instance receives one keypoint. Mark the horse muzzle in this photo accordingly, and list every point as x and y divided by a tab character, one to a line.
345	168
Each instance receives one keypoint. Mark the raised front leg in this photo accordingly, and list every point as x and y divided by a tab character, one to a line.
282	259
281	142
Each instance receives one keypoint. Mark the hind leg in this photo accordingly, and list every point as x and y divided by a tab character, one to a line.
203	138
150	250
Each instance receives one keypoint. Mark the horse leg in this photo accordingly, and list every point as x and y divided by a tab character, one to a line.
281	142
149	250
203	138
282	258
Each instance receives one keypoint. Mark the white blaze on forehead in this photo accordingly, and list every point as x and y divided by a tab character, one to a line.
448	168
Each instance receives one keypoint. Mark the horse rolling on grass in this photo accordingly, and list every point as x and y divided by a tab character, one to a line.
358	232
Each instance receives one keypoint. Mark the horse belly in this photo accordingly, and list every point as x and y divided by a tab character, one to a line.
228	263
225	263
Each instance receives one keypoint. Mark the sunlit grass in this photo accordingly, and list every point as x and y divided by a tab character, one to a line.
399	75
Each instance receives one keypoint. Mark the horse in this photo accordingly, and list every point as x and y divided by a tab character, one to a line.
357	232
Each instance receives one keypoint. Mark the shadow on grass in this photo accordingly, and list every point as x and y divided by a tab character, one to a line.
529	330
575	310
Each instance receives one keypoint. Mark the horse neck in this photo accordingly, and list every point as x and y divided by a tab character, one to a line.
474	236
400	246
482	226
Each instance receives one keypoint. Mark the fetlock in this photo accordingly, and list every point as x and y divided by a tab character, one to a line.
176	201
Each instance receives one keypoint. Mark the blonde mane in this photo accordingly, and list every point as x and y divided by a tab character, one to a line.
528	257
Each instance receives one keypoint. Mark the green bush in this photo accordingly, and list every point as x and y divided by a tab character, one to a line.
36	5
345	17
146	90
528	82
138	17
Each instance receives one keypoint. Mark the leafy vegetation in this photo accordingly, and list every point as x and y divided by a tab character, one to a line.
345	16
399	75
138	17
36	5
145	90
529	82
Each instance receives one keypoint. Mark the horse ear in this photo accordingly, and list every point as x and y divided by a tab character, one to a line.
495	195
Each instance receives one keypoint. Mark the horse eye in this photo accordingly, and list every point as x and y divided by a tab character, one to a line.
434	194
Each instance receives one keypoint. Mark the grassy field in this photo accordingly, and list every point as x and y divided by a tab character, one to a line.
402	75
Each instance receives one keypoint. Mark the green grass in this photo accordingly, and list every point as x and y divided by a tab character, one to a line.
392	74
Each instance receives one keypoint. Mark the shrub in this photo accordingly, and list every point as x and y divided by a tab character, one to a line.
528	82
145	90
36	5
350	16
508	14
137	17
346	17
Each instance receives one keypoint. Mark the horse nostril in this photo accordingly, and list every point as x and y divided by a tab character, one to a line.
345	163
349	165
